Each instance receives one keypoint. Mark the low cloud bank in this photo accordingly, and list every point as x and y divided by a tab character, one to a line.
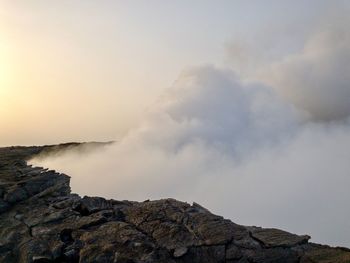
273	152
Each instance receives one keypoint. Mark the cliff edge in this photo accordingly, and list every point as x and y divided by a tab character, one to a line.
42	221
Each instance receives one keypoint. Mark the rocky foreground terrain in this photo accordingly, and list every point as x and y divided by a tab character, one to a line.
42	221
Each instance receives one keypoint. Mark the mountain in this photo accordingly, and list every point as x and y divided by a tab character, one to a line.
42	221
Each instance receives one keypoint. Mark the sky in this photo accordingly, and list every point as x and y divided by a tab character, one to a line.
69	66
241	106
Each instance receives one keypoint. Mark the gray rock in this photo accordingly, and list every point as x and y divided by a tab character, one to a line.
179	252
271	237
41	221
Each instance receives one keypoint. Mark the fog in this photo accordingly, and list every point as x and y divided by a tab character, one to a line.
239	149
263	139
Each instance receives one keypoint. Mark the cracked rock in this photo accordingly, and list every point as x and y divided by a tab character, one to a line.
42	221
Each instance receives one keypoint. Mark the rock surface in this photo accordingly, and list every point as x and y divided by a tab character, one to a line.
42	221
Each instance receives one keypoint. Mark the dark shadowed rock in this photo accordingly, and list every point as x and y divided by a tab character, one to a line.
41	221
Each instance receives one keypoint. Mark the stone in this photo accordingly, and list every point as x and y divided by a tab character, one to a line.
42	221
271	237
233	252
179	252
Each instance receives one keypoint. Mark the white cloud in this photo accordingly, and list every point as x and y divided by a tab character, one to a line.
244	150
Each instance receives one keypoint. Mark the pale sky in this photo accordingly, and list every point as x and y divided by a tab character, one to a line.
87	70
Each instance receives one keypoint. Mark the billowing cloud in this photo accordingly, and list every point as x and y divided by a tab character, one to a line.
265	145
211	106
237	148
317	79
308	67
207	117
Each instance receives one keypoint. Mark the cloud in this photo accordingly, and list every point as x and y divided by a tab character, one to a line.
317	79
237	148
265	145
206	117
308	63
211	106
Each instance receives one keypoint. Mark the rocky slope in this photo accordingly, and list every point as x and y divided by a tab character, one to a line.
42	221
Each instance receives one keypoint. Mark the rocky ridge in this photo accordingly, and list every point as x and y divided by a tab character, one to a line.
42	221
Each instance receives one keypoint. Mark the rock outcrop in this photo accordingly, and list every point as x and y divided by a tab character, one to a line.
42	221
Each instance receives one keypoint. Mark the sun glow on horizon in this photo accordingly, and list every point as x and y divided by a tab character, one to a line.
6	74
